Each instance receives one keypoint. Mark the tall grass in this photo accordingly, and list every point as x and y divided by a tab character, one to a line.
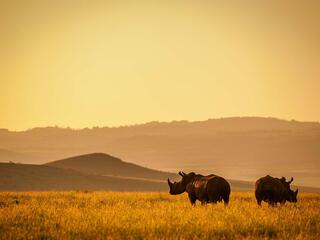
104	215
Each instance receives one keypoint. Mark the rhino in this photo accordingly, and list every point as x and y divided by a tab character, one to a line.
206	189
274	190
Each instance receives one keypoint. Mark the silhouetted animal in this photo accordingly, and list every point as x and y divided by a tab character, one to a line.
274	190
206	189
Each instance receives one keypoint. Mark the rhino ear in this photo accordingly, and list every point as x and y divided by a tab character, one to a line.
182	174
291	180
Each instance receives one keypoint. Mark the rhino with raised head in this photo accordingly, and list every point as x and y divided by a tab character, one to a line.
274	190
206	189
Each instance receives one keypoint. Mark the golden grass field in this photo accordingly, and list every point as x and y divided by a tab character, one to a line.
107	215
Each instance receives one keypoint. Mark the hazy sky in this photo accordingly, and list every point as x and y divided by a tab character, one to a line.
88	63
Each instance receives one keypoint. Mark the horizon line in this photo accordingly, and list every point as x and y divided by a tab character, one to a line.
154	122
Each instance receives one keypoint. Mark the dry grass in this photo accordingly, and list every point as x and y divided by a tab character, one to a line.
103	215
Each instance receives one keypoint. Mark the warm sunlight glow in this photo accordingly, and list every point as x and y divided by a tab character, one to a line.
71	63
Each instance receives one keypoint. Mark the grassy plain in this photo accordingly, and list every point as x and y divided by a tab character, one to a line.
115	215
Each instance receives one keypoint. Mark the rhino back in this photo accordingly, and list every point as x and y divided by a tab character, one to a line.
218	184
198	187
268	186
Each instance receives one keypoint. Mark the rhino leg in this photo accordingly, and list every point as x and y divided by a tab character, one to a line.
226	199
259	202
192	199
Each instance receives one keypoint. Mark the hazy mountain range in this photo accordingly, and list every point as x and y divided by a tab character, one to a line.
236	148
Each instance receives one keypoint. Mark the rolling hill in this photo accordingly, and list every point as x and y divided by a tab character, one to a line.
27	177
104	164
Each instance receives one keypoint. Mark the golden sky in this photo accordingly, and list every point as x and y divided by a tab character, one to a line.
95	63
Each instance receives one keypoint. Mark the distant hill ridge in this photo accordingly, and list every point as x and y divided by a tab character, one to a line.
243	148
104	164
229	123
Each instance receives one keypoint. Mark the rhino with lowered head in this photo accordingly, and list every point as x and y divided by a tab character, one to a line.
274	190
206	189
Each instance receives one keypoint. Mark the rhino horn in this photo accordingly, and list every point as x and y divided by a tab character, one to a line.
170	183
